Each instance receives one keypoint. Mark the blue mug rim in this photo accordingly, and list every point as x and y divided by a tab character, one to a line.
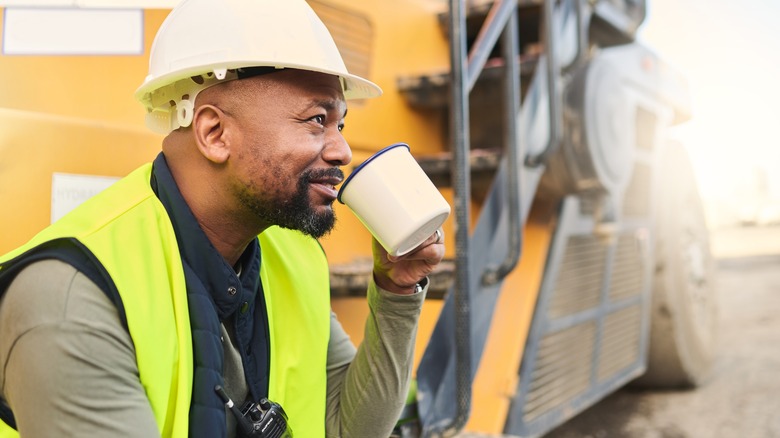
363	164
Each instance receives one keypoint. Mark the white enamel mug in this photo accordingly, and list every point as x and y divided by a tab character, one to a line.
394	199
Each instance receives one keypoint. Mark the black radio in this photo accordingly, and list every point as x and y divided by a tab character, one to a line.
265	419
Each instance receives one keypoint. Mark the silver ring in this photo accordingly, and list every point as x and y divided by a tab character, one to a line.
438	235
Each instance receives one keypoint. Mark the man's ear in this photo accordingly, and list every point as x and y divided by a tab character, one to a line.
208	125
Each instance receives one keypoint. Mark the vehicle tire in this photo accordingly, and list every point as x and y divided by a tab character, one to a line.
684	310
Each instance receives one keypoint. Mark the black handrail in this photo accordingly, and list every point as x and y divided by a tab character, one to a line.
513	149
464	74
488	35
461	175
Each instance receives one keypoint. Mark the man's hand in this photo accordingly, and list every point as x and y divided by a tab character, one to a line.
401	274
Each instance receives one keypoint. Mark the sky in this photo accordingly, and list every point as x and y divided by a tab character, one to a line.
730	52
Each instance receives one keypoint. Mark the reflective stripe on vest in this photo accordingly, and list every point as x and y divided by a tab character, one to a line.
120	220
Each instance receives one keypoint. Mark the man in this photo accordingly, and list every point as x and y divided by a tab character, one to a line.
140	312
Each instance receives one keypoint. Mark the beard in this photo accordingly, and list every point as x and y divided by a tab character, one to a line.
295	212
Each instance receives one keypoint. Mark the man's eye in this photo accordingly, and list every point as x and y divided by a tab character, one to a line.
318	119
341	127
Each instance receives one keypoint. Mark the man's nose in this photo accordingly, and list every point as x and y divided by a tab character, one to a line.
337	150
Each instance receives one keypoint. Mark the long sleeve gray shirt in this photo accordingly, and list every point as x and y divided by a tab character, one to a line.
69	367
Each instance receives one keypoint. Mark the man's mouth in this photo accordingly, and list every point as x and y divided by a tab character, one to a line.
325	183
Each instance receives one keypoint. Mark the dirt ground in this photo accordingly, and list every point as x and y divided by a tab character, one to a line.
742	399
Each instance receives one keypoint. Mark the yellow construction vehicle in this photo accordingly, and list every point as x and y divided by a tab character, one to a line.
578	257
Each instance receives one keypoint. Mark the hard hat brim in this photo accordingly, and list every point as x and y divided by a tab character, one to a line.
354	87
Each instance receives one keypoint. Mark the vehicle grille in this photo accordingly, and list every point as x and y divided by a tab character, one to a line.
592	334
562	369
627	269
620	342
352	32
580	277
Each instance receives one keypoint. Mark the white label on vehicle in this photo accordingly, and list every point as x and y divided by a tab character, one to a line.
68	191
73	31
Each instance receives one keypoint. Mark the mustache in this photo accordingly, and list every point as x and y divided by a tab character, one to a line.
318	174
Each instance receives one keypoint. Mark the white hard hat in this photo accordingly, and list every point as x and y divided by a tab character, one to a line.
204	42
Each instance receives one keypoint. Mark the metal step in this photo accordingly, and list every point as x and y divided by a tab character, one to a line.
431	90
351	279
613	22
477	10
483	164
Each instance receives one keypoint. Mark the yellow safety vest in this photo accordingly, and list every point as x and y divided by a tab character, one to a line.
121	221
